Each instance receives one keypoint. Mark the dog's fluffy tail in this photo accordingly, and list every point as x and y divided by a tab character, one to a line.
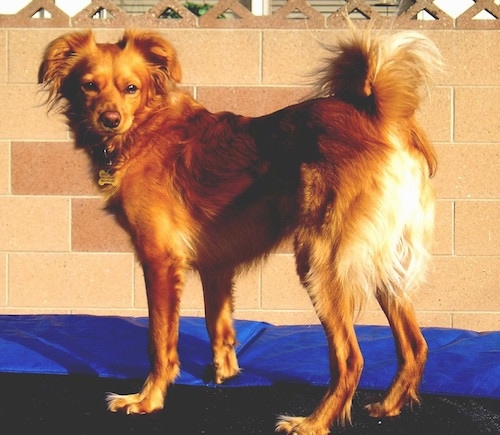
386	75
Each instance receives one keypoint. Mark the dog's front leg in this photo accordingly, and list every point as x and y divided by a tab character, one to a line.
163	284
217	293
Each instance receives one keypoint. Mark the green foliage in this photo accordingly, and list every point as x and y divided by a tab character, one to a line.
196	8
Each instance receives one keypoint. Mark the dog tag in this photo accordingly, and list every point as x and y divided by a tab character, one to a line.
106	178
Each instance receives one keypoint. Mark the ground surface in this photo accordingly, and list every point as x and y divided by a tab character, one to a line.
74	405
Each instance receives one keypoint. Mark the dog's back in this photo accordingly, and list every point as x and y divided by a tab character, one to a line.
351	161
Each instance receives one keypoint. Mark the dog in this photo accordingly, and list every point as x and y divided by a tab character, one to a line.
344	174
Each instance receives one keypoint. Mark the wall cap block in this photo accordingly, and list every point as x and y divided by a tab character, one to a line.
467	19
293	14
25	17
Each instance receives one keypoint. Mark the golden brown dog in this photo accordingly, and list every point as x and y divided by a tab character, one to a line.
345	175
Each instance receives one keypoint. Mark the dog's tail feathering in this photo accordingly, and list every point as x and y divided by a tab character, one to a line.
385	74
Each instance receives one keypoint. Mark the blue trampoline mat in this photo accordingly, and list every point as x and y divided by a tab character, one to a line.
461	363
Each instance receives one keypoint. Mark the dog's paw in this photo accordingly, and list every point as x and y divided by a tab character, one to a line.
225	364
299	426
133	403
391	405
224	372
117	402
379	410
220	374
288	424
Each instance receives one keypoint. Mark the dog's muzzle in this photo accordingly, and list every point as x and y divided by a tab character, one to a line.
110	119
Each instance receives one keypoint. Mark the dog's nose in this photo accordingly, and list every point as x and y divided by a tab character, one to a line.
110	119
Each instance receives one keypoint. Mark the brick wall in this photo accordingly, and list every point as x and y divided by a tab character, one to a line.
59	253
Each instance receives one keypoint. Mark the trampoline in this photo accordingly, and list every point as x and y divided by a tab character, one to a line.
56	369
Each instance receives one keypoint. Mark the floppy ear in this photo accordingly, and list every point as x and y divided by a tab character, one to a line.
157	52
59	59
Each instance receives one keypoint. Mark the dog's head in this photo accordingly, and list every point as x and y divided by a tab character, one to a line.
105	88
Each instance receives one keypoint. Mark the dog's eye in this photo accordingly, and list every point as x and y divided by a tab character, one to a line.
89	87
131	89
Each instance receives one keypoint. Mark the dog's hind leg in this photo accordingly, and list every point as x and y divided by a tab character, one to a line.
218	296
412	354
335	308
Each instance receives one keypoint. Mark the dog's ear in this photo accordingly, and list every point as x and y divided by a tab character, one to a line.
60	57
157	52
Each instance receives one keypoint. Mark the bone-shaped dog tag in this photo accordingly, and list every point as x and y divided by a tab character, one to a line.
106	178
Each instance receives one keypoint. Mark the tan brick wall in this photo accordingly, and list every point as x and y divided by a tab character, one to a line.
60	253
